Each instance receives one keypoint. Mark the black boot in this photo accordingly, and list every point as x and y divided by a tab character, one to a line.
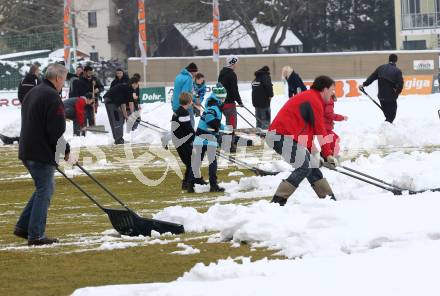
42	241
200	181
215	188
20	232
184	184
190	188
279	200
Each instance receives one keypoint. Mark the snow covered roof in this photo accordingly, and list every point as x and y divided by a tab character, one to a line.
23	54
232	35
59	53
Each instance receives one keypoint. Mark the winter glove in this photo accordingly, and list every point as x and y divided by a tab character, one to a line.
331	162
361	88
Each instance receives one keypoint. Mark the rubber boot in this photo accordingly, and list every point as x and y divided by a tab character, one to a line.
284	190
322	189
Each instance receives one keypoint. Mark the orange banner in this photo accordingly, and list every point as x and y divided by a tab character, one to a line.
215	30
417	85
67	6
142	31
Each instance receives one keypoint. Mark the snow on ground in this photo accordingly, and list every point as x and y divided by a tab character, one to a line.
369	242
417	122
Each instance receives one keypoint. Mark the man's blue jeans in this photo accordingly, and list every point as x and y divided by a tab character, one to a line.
33	217
297	156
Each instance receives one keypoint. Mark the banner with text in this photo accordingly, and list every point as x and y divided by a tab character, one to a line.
152	94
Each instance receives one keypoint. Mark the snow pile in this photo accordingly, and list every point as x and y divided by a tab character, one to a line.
186	250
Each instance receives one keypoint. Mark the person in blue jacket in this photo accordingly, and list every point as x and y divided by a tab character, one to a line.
206	138
199	92
184	83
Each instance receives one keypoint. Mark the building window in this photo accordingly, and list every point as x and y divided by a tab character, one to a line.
410	6
93	23
414	44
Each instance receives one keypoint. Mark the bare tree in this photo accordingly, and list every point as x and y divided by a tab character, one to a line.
30	16
275	13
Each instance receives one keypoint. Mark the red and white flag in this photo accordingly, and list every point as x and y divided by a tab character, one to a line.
215	30
142	31
67	6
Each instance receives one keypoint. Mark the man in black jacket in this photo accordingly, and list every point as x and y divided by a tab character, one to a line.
42	125
116	101
120	77
228	79
262	93
30	80
390	84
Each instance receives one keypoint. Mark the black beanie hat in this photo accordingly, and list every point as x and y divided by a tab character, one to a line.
192	68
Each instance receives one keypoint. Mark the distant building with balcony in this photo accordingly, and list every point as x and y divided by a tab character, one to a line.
417	24
94	21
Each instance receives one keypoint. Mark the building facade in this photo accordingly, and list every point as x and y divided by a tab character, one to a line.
417	24
94	21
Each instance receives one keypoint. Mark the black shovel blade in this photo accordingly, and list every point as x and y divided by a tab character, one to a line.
127	222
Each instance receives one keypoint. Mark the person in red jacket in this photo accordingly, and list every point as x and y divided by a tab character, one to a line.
329	120
75	109
291	135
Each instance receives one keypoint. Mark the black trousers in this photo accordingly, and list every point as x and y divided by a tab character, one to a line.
185	151
389	108
90	115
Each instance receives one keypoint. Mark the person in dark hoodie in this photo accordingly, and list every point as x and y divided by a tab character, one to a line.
120	77
31	79
262	93
228	79
116	100
42	125
390	83
294	82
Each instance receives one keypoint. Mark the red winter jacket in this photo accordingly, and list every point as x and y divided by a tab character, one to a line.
330	116
290	122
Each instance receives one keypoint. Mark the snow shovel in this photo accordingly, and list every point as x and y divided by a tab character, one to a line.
250	124
126	221
386	186
258	119
362	89
9	140
97	129
257	171
153	125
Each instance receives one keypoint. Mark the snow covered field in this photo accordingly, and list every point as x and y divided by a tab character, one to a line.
369	242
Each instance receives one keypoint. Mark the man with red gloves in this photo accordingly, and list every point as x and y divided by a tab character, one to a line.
291	135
